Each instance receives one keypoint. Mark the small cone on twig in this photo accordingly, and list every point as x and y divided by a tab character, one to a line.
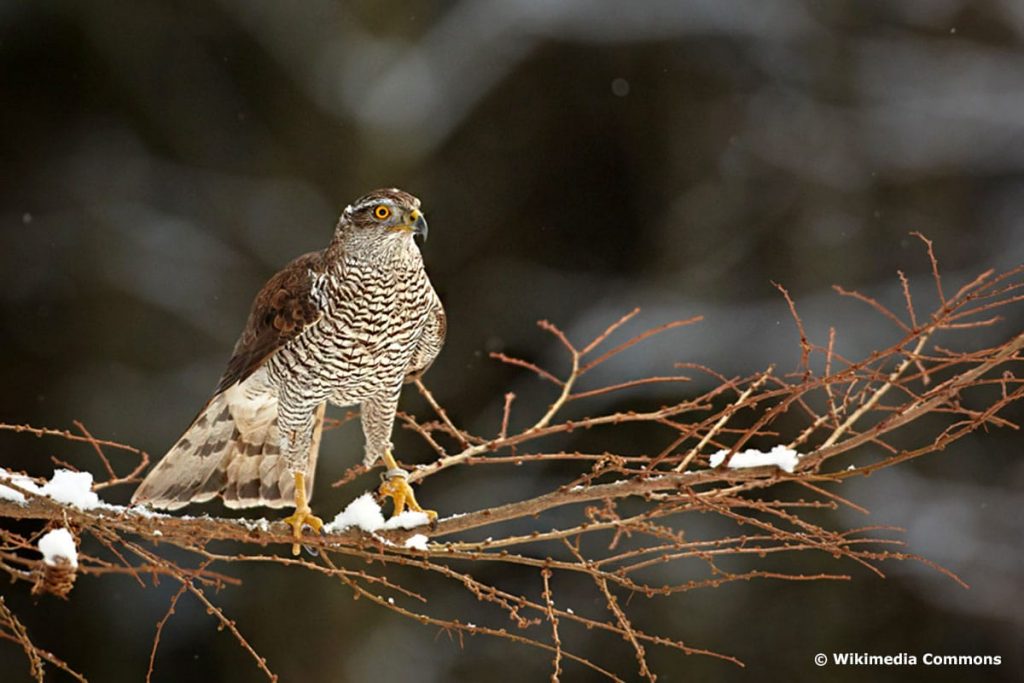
56	579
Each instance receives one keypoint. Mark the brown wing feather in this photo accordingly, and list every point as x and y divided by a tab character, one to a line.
282	309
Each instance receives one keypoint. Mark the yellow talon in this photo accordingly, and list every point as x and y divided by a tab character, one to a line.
303	515
397	488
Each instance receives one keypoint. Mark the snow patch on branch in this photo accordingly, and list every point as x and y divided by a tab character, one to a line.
19	480
364	513
781	456
56	545
67	487
416	542
72	488
409	519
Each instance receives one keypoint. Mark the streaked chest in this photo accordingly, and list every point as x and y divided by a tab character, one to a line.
372	317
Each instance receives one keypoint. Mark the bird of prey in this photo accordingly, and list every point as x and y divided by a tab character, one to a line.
346	325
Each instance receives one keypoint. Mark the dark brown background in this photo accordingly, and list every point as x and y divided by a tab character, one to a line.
161	159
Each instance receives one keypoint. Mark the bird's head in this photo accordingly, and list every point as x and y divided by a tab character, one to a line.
382	220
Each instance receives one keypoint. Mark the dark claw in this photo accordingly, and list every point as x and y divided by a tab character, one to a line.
315	552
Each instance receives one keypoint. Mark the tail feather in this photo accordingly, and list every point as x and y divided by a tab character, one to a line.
258	474
236	457
194	468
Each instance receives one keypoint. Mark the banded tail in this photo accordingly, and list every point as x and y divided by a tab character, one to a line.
232	451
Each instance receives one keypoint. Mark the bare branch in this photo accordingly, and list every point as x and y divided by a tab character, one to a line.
645	495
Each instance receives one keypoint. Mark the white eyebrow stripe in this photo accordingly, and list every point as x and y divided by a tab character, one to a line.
373	202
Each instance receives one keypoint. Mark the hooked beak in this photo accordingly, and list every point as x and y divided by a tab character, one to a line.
415	223
419	223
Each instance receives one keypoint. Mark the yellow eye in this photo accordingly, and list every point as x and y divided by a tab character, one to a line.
382	212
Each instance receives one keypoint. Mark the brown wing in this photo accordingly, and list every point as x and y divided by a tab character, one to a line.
283	308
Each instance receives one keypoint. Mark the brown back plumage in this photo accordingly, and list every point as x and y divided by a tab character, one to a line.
282	309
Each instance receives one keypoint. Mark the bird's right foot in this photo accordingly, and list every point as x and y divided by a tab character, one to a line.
303	515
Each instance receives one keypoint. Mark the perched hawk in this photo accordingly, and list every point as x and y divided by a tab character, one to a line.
349	324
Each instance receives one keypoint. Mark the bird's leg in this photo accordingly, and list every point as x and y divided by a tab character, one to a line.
378	418
396	487
303	514
299	431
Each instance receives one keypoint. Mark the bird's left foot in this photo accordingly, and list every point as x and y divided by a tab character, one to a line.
396	487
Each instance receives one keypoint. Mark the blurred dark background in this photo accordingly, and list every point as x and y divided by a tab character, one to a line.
161	159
